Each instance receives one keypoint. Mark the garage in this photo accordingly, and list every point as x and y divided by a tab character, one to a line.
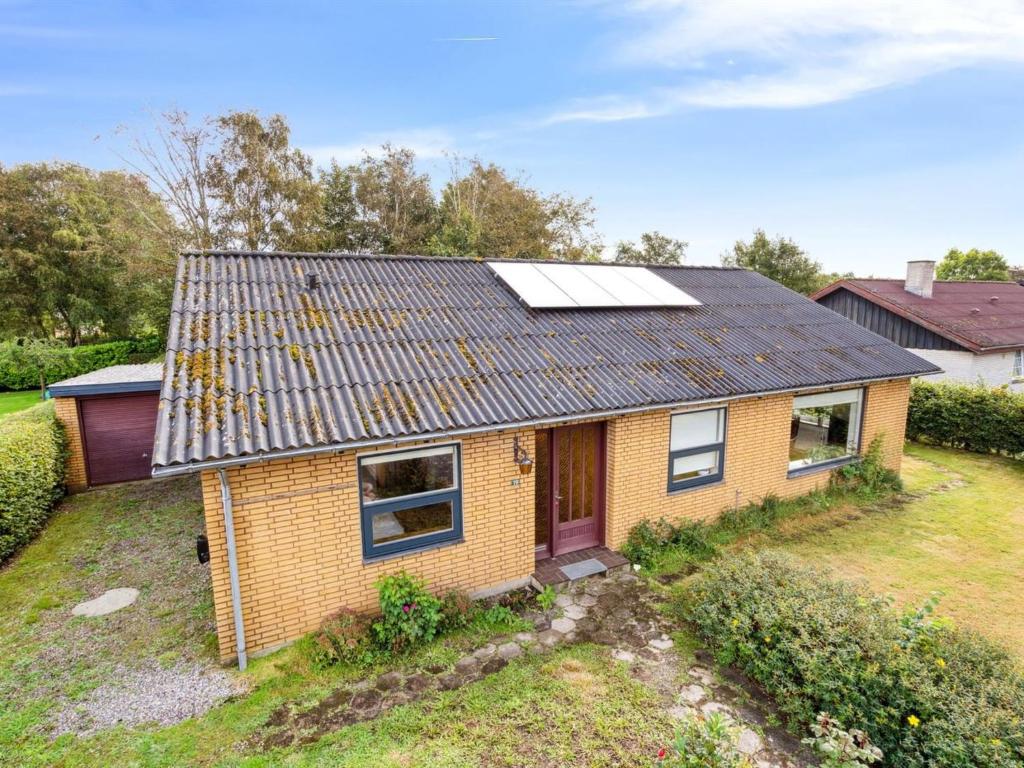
110	418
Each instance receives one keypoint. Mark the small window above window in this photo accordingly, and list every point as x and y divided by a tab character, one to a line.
696	448
410	499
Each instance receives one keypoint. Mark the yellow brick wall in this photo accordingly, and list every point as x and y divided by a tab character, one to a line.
66	409
756	459
298	524
300	557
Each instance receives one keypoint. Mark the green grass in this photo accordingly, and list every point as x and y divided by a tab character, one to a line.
12	402
961	534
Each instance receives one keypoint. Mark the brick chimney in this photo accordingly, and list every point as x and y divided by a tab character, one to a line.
920	277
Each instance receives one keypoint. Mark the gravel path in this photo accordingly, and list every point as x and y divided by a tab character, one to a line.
150	695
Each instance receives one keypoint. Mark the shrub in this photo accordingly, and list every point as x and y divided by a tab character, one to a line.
410	615
840	748
972	417
456	610
546	598
32	459
343	637
703	743
79	360
926	694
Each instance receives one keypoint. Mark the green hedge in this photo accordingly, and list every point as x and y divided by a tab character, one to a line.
83	359
971	417
925	693
33	454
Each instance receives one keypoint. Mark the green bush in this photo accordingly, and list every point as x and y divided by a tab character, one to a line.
703	743
925	693
83	359
410	615
648	542
32	460
971	417
343	637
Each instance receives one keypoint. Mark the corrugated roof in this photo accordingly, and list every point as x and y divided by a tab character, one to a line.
114	378
389	347
961	311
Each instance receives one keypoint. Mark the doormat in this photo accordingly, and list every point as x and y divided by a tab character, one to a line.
583	568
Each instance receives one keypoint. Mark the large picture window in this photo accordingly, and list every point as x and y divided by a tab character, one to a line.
410	499
825	428
696	448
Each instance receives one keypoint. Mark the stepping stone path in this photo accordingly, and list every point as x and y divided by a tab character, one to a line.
617	610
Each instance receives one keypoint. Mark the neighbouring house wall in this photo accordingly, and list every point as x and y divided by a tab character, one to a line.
66	409
300	558
756	459
993	369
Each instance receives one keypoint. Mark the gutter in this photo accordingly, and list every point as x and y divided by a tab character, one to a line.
313	450
236	590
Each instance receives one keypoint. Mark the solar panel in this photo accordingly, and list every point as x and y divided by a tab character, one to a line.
565	286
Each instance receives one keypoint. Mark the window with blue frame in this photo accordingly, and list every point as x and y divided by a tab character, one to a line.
696	448
410	499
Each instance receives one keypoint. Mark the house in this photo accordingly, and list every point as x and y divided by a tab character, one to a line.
973	331
480	422
109	416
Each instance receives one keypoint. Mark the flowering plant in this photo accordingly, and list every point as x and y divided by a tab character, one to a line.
410	615
841	748
703	743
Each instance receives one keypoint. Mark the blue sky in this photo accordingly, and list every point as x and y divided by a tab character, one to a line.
870	132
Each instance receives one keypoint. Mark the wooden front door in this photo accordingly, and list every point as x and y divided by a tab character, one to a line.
576	487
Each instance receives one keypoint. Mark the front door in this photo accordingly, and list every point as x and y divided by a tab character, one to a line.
572	484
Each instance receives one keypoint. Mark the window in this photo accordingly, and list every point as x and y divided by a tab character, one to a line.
825	428
1018	364
696	448
410	499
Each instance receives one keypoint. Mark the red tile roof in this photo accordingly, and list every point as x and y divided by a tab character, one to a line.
981	316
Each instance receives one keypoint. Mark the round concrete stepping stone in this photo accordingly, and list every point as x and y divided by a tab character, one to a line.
679	712
509	651
110	601
526	637
485	651
702	674
564	600
388	681
587	601
749	742
661	643
621	655
711	707
465	664
549	637
692	694
563	625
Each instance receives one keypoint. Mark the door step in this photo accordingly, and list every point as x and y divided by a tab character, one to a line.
558	571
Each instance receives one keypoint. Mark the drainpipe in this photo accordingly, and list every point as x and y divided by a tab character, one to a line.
236	590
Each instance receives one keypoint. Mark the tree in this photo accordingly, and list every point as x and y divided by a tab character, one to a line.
487	213
973	265
780	260
381	204
232	181
654	248
36	355
83	253
266	195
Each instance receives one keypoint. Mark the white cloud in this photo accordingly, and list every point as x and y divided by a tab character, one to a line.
428	144
798	53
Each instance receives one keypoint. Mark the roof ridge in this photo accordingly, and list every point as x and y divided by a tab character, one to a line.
427	257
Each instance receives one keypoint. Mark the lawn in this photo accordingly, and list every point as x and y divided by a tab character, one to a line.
11	402
960	534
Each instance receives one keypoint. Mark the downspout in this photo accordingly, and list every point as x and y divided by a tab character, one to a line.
236	590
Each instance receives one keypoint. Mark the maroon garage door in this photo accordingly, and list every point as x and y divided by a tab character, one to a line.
118	433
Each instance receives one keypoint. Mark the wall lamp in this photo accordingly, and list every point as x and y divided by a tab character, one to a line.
521	457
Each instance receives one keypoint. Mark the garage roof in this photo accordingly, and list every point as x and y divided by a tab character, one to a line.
112	380
272	354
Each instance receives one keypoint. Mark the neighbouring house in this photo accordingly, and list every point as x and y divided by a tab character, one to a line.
482	423
110	419
972	330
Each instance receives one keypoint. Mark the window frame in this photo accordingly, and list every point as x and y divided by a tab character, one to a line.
857	429
675	486
369	509
1017	367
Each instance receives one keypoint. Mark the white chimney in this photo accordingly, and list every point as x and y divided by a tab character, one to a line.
920	277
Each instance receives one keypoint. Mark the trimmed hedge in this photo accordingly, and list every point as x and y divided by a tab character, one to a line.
83	359
926	694
33	454
972	417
